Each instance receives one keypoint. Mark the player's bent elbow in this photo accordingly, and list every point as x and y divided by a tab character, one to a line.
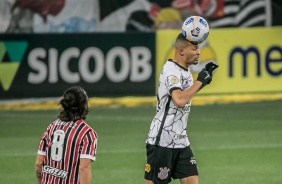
84	167
85	164
38	165
179	103
39	161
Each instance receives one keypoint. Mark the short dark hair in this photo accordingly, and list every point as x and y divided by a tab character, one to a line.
74	104
181	38
181	41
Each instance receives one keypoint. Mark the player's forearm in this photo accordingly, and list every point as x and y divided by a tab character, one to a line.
181	98
38	170
194	89
85	176
38	167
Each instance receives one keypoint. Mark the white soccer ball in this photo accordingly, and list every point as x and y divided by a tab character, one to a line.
195	29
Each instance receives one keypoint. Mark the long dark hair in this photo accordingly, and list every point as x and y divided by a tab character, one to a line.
74	104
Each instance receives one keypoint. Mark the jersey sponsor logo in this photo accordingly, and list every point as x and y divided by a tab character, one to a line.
177	136
55	172
147	167
163	174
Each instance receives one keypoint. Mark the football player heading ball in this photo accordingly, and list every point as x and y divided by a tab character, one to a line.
169	154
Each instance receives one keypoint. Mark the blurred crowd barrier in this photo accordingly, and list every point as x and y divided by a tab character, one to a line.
64	16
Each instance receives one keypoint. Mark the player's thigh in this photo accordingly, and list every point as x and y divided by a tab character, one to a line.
185	165
190	180
159	164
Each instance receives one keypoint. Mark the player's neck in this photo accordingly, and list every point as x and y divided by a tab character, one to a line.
181	62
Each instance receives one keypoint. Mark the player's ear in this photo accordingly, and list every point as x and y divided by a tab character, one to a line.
180	50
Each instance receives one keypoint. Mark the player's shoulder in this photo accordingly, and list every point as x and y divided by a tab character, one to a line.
88	127
53	123
170	65
84	123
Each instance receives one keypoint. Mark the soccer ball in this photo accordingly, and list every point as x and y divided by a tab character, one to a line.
195	29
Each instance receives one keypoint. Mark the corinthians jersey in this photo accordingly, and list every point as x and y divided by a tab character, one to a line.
168	127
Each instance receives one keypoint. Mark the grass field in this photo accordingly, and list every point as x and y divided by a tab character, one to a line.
233	143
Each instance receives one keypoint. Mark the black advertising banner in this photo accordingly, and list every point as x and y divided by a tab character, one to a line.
105	65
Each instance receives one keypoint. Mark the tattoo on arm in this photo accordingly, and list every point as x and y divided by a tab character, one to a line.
38	174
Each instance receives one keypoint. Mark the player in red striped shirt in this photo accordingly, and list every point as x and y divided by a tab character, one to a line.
69	144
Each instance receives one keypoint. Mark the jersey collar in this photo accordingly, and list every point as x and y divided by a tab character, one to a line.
186	69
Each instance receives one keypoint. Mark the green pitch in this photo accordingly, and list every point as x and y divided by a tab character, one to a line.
232	143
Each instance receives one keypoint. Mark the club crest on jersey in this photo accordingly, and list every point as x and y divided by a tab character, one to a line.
147	167
174	80
163	174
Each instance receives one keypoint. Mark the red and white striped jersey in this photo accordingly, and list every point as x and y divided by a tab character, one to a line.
63	144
